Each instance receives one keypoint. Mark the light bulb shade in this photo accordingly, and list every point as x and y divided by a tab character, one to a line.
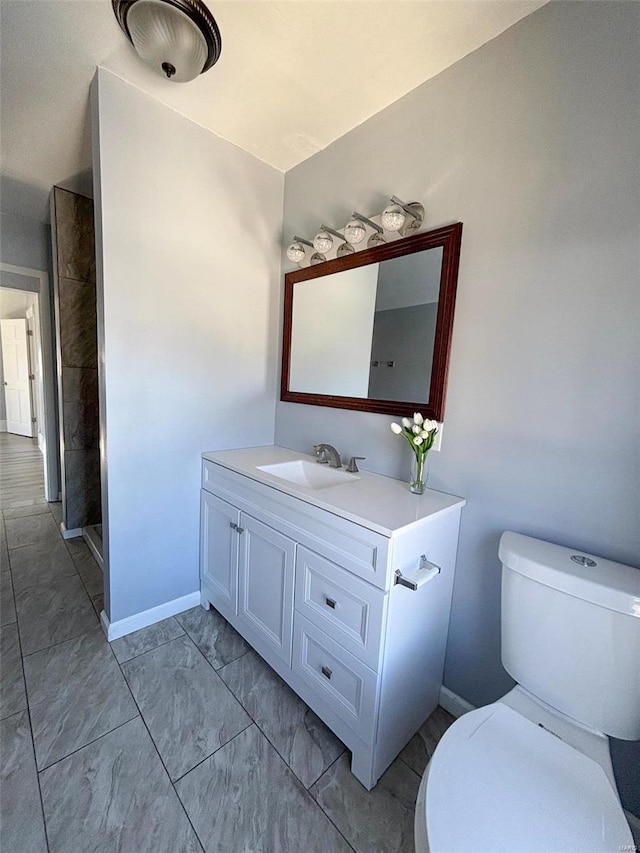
355	232
323	242
345	249
178	39
295	252
375	240
317	258
393	217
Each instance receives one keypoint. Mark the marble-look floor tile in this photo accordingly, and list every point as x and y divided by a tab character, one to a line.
23	511
53	613
245	798
31	529
89	571
377	821
98	603
189	710
146	639
218	641
76	694
4	554
114	795
56	511
300	737
40	564
7	604
13	697
21	823
422	745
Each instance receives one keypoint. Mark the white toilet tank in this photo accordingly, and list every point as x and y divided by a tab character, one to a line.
571	632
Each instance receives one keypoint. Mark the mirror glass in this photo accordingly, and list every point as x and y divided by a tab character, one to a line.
371	331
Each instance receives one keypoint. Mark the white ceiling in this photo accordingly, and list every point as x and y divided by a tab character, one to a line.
294	75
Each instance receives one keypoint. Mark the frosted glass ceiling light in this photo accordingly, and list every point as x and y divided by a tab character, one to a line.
323	241
355	231
317	258
402	217
178	39
296	250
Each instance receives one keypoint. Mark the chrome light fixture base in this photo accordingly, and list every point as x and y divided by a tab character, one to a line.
198	16
414	222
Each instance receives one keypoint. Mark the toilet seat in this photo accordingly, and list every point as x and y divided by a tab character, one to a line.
500	783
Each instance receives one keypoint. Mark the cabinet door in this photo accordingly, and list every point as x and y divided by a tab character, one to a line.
219	552
265	579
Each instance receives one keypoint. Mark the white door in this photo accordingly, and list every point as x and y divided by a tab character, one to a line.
17	392
265	587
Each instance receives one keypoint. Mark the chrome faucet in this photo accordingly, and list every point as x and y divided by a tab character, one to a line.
327	455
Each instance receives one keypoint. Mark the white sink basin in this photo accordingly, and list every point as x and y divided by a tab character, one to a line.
311	475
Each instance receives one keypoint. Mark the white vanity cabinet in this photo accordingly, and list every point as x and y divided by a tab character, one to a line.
308	578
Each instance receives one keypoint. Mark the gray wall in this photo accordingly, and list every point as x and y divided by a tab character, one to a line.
188	233
532	142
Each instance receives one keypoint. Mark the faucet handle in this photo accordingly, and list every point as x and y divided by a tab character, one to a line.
352	467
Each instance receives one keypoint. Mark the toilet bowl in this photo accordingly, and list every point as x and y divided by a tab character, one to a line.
522	775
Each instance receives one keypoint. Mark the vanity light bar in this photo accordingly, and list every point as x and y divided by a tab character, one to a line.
400	217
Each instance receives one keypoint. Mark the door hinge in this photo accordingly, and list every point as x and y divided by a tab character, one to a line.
32	376
34	420
30	332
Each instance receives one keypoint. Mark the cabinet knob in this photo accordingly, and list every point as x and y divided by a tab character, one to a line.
236	527
330	602
326	671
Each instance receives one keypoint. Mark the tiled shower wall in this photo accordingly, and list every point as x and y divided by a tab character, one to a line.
73	237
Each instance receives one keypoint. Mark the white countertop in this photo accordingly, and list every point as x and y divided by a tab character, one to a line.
379	503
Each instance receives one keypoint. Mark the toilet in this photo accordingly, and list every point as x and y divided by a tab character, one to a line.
532	773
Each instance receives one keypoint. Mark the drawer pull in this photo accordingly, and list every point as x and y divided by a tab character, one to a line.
330	602
236	527
326	671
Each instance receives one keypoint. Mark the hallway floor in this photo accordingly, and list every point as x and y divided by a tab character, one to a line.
21	471
177	738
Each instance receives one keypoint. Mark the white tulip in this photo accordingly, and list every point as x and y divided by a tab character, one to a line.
424	433
417	417
396	428
416	429
406	423
417	440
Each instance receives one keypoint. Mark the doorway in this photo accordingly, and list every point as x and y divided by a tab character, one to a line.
28	423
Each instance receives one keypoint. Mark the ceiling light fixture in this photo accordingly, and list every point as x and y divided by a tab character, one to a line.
178	39
402	217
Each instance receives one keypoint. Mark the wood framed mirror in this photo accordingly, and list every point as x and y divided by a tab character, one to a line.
372	331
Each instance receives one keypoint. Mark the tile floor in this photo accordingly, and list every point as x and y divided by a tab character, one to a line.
177	738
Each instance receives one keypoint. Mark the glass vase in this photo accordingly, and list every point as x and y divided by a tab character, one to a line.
418	481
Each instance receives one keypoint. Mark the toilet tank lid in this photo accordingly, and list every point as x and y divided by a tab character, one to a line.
607	584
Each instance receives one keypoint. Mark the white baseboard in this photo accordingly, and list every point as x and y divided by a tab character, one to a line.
70	534
454	704
122	627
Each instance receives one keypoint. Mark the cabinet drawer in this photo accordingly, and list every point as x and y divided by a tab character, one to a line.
340	680
348	609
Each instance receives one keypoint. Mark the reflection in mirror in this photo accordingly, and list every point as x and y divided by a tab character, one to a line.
368	332
372	331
